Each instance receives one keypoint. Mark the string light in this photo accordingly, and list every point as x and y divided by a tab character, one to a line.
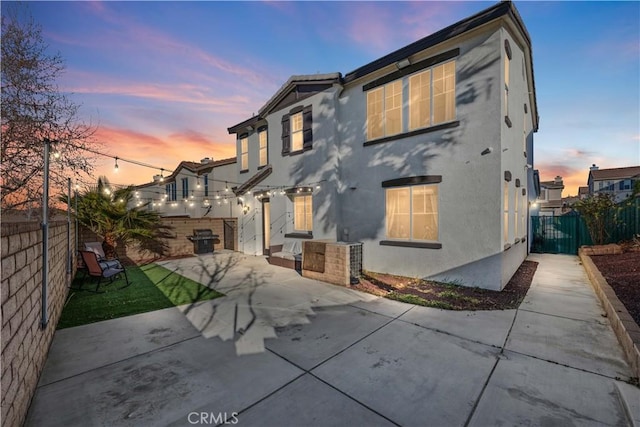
115	168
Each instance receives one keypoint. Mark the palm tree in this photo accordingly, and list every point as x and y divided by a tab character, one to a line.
105	212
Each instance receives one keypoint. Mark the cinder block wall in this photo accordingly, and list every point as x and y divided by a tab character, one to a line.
24	343
336	265
179	245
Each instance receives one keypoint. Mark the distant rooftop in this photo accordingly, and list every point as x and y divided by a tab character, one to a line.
615	173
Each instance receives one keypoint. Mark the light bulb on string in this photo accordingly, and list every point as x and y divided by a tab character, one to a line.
116	167
226	187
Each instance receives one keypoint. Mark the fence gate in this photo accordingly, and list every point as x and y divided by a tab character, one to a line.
565	234
558	234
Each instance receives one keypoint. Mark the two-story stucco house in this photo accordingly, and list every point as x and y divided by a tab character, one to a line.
424	155
192	189
616	181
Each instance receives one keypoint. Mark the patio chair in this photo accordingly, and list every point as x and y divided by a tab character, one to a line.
95	269
96	247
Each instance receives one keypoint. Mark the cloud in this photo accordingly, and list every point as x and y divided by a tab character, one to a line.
178	92
154	150
578	153
571	177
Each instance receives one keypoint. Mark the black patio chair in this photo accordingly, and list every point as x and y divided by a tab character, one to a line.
98	270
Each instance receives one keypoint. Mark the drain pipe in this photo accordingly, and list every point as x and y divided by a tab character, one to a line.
45	233
69	228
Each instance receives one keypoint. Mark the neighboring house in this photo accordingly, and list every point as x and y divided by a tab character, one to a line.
568	202
424	155
616	181
550	197
583	192
192	189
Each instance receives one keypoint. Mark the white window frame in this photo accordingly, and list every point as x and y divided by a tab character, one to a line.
263	157
185	188
507	72
244	153
306	203
516	220
411	213
297	135
523	215
505	218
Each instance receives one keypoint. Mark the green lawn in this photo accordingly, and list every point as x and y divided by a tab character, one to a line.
152	288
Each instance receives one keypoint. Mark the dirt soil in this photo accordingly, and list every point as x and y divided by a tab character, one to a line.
623	275
450	296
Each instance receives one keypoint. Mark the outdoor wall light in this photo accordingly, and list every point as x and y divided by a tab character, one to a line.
246	209
403	63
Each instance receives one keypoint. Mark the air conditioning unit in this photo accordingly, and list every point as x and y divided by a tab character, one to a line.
355	261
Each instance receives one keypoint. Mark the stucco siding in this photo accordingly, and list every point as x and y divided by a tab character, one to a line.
514	135
317	166
470	191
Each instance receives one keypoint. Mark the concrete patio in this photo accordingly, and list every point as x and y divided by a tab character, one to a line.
282	350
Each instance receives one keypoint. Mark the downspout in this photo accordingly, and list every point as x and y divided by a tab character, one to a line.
69	227
45	233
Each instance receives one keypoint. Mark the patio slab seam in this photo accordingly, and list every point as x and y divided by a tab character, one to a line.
615	378
118	361
626	330
339	352
440	331
558	316
382	314
493	369
309	371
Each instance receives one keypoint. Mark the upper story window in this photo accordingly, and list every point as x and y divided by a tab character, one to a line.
205	178
263	157
507	76
171	191
297	130
625	184
430	101
384	110
185	188
303	213
244	153
505	199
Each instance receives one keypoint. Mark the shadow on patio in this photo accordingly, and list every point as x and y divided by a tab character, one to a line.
258	298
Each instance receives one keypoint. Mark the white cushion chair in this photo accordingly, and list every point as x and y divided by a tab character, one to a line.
96	248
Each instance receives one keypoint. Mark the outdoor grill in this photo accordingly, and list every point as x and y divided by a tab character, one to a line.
202	240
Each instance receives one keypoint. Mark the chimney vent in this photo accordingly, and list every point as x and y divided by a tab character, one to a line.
593	167
206	160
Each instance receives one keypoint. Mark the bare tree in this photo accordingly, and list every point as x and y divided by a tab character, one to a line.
34	110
